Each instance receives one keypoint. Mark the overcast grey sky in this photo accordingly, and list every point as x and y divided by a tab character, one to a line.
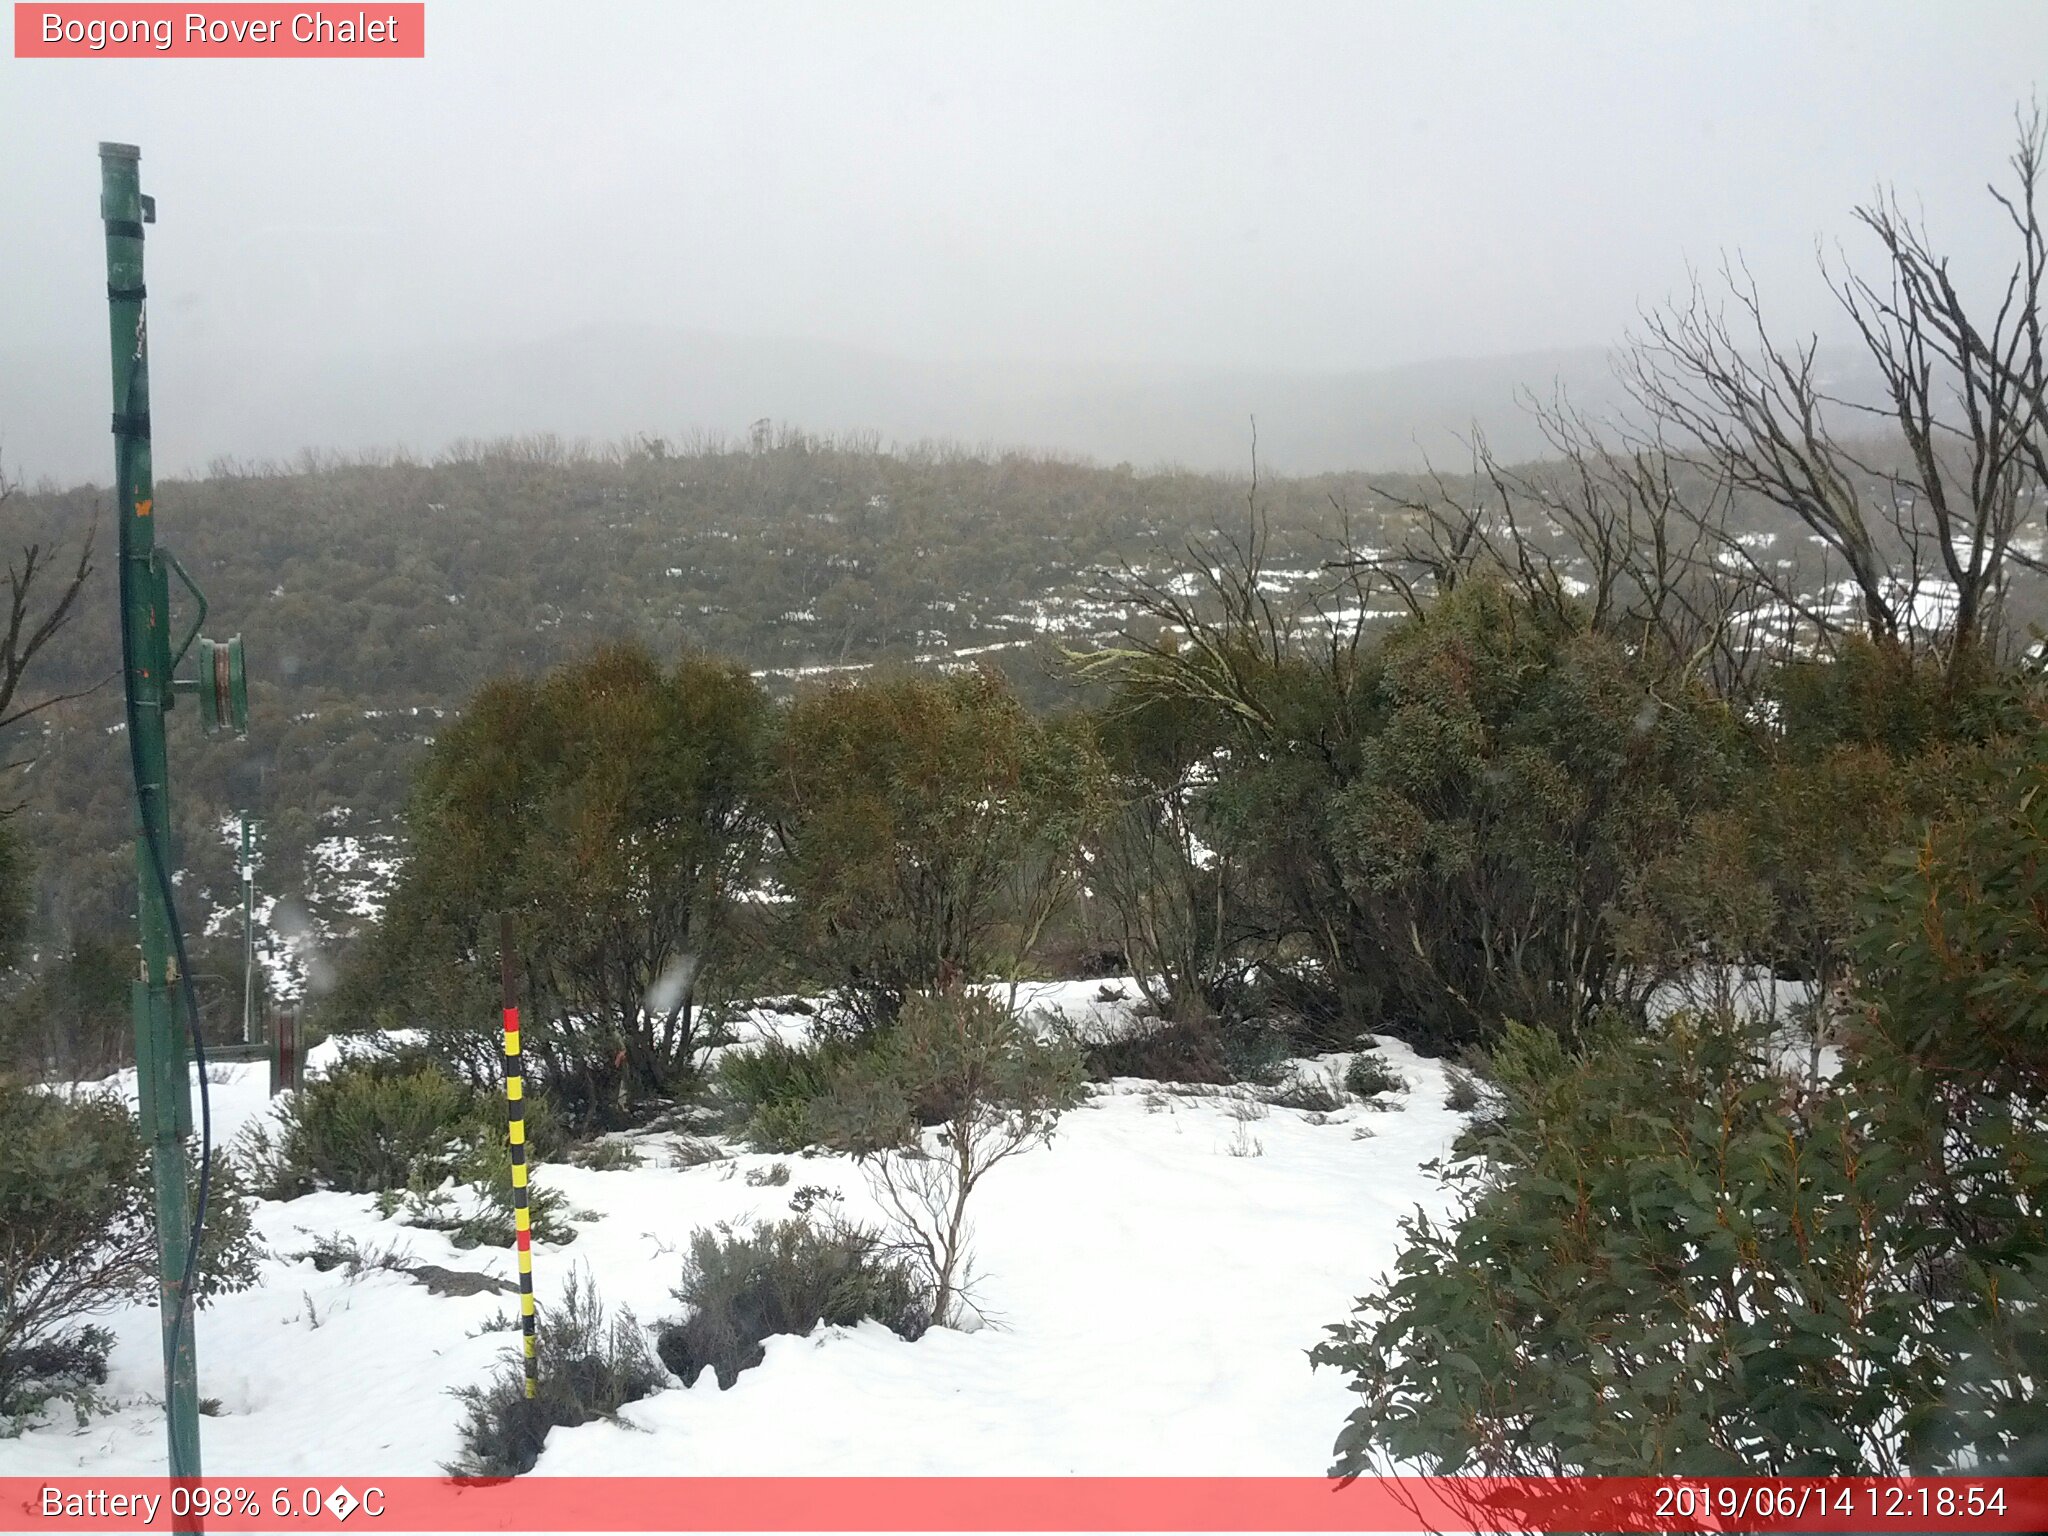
1265	186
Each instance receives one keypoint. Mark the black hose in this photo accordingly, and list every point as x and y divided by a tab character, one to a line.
160	867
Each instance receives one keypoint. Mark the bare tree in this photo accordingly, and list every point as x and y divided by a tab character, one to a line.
1927	536
1615	532
35	616
1172	900
1214	634
964	1063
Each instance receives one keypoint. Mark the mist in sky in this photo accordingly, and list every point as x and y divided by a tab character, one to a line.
1112	228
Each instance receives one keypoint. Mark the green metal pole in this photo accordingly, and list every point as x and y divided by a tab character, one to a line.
163	1077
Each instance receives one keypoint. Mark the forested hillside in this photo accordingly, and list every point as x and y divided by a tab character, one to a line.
376	596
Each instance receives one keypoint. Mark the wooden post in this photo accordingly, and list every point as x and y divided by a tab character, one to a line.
287	1058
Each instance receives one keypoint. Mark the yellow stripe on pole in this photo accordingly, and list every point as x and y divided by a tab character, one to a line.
515	1087
511	1042
517	1131
519	1175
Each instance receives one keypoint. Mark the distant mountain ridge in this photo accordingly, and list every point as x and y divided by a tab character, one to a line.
615	381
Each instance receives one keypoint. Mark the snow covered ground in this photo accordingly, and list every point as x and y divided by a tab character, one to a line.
1157	1275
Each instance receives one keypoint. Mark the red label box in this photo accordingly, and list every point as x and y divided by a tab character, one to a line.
378	30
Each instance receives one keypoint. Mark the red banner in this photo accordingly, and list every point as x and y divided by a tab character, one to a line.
235	31
1024	1504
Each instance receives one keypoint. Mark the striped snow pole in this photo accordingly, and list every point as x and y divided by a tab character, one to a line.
515	1131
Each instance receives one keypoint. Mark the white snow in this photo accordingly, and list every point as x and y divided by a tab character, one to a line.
1156	1276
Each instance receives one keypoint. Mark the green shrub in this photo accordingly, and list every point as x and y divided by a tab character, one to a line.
1446	821
1516	776
1669	1258
71	1022
1158	1051
1666	1260
773	1085
1210	1050
590	1365
774	1072
604	1155
694	1152
332	1251
909	811
479	1210
786	1277
1948	1046
780	1127
1368	1076
1865	694
1314	1092
377	1122
78	1229
65	1367
610	807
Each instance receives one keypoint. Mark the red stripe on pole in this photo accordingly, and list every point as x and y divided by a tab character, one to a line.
1035	1504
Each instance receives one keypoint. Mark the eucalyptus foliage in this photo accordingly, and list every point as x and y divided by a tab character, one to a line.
1675	1252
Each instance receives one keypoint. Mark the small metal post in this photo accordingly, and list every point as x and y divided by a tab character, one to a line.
248	939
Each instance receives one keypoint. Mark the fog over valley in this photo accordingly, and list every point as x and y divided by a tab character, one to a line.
1115	231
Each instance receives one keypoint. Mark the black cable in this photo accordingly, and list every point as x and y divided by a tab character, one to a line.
160	868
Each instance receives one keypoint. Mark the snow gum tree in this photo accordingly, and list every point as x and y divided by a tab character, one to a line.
610	807
904	811
1447	819
1165	878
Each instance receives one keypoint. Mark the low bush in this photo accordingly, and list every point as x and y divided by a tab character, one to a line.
1667	1260
785	1277
694	1152
65	1367
1208	1051
1369	1076
591	1365
1314	1092
374	1122
333	1250
478	1210
1160	1052
772	1086
1462	1091
78	1236
385	1121
604	1155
